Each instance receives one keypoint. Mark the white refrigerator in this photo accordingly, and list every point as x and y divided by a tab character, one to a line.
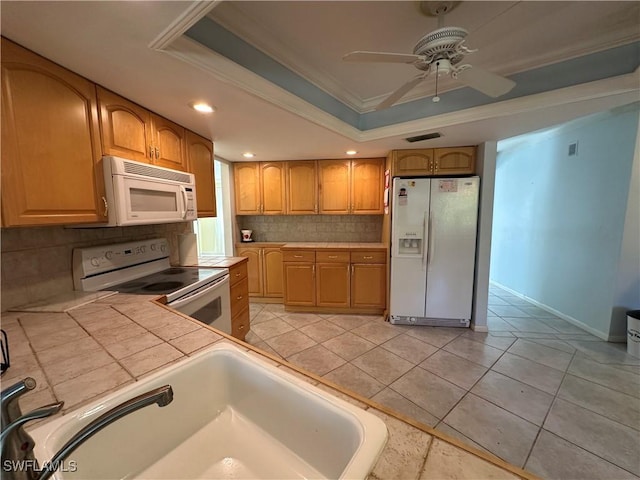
433	250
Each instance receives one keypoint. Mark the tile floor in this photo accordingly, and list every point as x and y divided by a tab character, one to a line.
536	391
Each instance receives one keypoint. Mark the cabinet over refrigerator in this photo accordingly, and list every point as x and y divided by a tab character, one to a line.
433	245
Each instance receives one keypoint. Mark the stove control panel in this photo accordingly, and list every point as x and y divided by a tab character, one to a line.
94	260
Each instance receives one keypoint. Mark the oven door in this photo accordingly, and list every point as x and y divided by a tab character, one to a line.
209	304
140	201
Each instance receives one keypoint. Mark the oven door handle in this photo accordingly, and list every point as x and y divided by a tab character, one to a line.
202	291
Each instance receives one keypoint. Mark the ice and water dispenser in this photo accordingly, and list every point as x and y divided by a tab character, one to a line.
410	243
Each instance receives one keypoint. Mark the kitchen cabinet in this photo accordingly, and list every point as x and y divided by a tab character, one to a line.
302	188
326	280
368	279
433	161
333	279
351	186
51	158
200	163
264	267
130	131
299	272
239	299
259	188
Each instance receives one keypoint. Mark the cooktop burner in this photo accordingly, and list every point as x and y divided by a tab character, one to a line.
170	281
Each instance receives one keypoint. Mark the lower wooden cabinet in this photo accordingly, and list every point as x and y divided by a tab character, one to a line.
239	298
264	271
325	280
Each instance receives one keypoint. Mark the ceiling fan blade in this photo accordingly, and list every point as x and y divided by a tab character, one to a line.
400	92
380	57
486	82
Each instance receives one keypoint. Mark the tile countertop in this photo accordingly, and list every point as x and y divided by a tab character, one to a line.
94	349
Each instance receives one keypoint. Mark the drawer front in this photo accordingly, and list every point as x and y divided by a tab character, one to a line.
237	273
332	257
239	297
240	324
298	256
368	257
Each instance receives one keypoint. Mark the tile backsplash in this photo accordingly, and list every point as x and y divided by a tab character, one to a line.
37	261
312	228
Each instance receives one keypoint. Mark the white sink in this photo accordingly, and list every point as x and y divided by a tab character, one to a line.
233	416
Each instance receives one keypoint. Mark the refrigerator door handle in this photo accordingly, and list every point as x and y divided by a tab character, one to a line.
432	243
426	231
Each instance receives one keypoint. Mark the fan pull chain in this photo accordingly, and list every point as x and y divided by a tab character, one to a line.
436	98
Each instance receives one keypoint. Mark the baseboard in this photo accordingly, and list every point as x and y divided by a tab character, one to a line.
568	318
479	328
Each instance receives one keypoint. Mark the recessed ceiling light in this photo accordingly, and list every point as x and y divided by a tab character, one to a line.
351	152
203	107
248	155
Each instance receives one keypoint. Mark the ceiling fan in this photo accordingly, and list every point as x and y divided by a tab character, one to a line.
439	52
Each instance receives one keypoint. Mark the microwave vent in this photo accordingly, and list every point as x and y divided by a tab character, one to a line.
155	172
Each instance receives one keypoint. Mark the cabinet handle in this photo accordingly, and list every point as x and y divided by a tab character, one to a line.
436	169
352	269
106	207
239	297
333	256
241	327
237	274
368	257
157	153
151	152
315	208
297	256
313	269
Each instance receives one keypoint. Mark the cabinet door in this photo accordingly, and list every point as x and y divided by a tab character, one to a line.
302	188
300	286
368	285
332	285
454	161
169	142
272	175
51	170
367	185
240	324
272	271
254	269
412	162
334	193
200	157
246	178
125	128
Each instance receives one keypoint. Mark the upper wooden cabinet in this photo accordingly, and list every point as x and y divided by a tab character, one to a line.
259	188
351	186
130	131
126	127
302	188
200	163
454	161
168	140
51	171
433	161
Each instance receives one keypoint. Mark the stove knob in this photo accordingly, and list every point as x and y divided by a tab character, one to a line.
153	247
95	262
143	249
108	255
163	248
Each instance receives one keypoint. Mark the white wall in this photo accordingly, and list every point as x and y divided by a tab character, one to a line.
486	168
627	293
559	220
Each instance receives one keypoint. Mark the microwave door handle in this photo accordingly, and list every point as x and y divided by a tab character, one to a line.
184	201
199	293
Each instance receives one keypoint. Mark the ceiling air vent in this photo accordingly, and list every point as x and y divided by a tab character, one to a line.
426	136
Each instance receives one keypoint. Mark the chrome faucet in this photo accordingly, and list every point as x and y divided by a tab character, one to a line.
16	445
163	396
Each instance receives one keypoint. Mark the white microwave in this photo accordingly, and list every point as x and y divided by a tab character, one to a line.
139	193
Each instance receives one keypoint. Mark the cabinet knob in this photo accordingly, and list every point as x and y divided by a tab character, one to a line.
237	274
241	327
239	297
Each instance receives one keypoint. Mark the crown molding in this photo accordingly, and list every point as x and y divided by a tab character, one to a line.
194	12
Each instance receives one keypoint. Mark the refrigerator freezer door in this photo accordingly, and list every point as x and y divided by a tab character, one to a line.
451	247
408	263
